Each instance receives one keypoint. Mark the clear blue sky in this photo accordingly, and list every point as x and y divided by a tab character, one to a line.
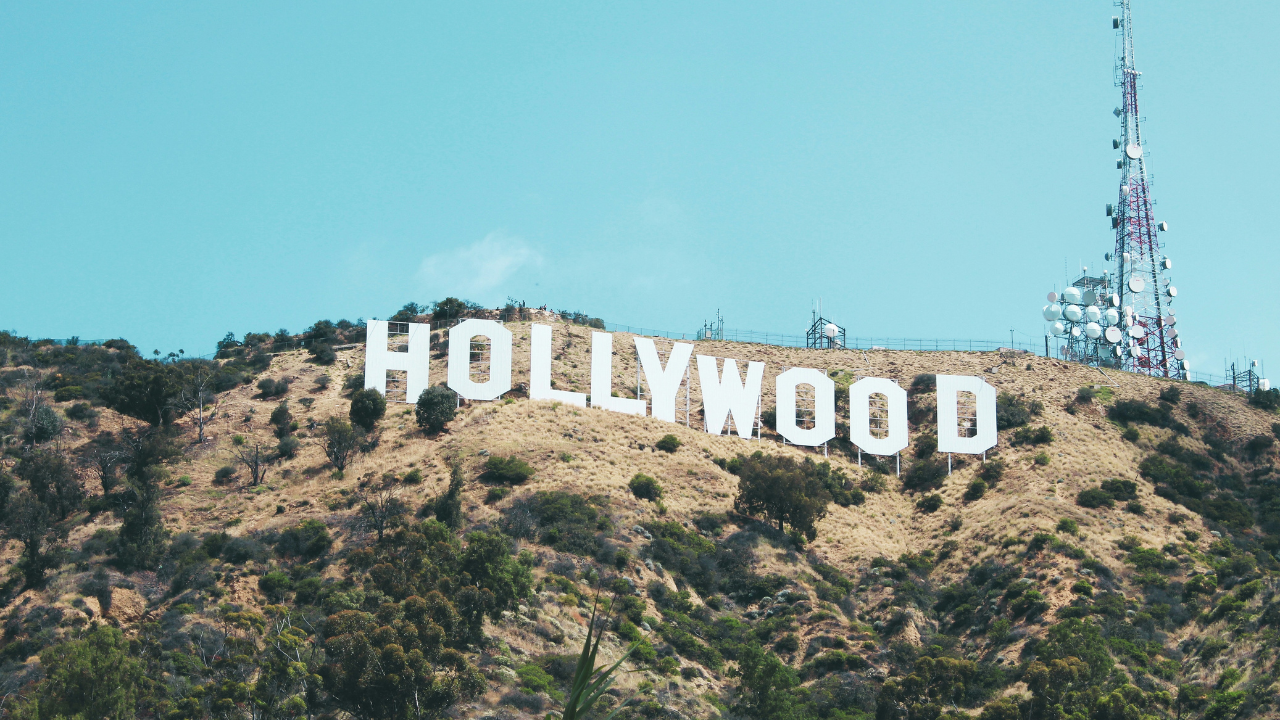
172	171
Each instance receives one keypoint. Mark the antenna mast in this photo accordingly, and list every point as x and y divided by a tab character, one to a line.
1151	344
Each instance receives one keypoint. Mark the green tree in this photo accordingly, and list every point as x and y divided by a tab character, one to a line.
43	425
52	479
1079	639
93	677
448	507
765	689
487	564
784	490
147	390
367	408
436	407
27	522
340	442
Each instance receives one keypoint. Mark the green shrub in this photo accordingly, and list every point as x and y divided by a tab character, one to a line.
509	470
413	477
976	489
288	446
66	394
44	425
82	412
668	443
788	643
929	503
308	539
1171	394
926	445
1032	436
322	353
991	471
924	474
923	383
873	483
436	406
1067	525
496	494
275	585
224	474
1095	498
367	408
1082	587
1135	507
270	388
1131	434
1013	411
1041	458
1085	395
1120	489
645	487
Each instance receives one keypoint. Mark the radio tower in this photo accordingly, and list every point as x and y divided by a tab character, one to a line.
1150	343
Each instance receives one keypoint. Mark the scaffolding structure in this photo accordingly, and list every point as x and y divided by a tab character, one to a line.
824	334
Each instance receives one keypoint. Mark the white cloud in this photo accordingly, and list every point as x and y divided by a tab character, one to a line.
477	269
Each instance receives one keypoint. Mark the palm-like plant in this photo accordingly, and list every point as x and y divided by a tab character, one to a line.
590	682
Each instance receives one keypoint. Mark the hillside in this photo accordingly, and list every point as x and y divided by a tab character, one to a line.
1010	598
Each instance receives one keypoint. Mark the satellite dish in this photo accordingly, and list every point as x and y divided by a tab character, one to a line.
1133	150
1071	295
1170	320
1072	313
1185	365
1092	314
1124	189
1264	385
1168	264
1093	330
1126	258
1179	354
830	330
1137	284
1117	351
1173	291
1111	316
1075	332
1137	332
1090	297
1107	257
1114	335
1052	312
1052	297
1173	332
1115	301
1058	328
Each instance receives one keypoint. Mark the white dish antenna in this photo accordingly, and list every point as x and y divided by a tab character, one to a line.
1179	354
1114	335
1137	284
1090	297
1052	312
1111	316
1072	313
1264	385
1137	332
1071	295
1052	297
1092	314
830	330
1173	291
1058	328
1115	301
1075	332
1093	330
1133	150
1168	264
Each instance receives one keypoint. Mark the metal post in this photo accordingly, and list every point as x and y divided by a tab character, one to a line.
899	464
948	464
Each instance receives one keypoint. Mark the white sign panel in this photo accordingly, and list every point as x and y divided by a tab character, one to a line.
540	370
416	363
824	407
860	416
664	383
499	381
602	378
722	395
949	440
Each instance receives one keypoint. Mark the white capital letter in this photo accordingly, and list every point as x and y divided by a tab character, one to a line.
949	440
540	370
416	363
860	416
663	382
728	394
460	359
602	378
824	411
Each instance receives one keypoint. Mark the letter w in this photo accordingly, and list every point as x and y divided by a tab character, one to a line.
722	396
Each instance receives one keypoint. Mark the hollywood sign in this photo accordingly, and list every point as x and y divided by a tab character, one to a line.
726	394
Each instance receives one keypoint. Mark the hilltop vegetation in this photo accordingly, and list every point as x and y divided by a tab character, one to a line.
257	536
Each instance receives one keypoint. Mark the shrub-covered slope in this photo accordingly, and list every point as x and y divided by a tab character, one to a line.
226	539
